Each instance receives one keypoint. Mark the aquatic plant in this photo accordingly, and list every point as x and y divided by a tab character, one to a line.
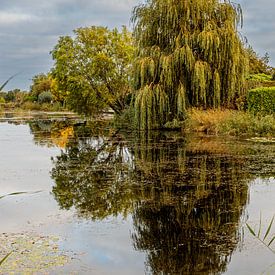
263	239
4	259
6	82
13	194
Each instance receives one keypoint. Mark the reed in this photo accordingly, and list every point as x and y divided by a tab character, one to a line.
229	122
263	237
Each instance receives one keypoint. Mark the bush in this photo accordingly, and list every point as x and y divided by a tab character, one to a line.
45	97
32	106
260	77
261	100
30	98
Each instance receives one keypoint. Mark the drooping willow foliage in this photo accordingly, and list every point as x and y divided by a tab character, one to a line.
189	53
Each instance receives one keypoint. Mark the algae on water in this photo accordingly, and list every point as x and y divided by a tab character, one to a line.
31	253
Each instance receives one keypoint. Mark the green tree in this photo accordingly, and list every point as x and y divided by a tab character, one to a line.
189	54
15	95
258	64
58	94
41	83
93	69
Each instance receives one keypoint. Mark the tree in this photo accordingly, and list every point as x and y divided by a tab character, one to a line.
189	54
41	83
58	94
15	96
258	64
93	69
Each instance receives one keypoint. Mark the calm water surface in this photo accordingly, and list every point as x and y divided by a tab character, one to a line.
128	203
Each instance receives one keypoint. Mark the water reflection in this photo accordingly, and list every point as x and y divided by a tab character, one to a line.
51	133
94	176
191	226
186	200
186	195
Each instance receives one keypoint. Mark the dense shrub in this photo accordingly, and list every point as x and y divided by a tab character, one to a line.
32	106
30	98
47	107
261	100
45	97
260	77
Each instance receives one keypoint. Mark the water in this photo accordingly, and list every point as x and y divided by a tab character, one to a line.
127	203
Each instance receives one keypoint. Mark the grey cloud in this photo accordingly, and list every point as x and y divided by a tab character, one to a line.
259	25
29	29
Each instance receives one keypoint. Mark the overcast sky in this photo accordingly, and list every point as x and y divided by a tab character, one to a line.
29	29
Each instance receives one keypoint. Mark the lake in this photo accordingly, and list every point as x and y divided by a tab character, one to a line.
81	197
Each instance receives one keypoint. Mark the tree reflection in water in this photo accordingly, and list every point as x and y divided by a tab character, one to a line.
188	221
186	202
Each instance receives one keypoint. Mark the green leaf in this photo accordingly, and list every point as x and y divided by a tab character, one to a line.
7	81
271	241
19	193
260	226
269	227
250	229
4	259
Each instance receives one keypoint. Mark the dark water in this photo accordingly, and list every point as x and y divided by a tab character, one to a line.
135	203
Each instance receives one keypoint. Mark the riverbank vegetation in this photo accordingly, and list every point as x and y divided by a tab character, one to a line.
187	67
229	122
41	96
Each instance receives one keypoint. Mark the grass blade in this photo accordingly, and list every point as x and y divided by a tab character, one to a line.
250	229
268	229
7	81
5	258
13	194
19	193
260	226
271	241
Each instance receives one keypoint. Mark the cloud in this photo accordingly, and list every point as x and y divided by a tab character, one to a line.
7	18
29	29
259	25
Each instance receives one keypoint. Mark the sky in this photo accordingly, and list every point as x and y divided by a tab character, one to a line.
29	29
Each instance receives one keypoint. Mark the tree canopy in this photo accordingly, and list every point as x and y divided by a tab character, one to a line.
92	69
40	83
258	64
189	54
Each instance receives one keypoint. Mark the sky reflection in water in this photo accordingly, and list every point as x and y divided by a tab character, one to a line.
128	203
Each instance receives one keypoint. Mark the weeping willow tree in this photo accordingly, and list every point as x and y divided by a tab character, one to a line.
189	54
